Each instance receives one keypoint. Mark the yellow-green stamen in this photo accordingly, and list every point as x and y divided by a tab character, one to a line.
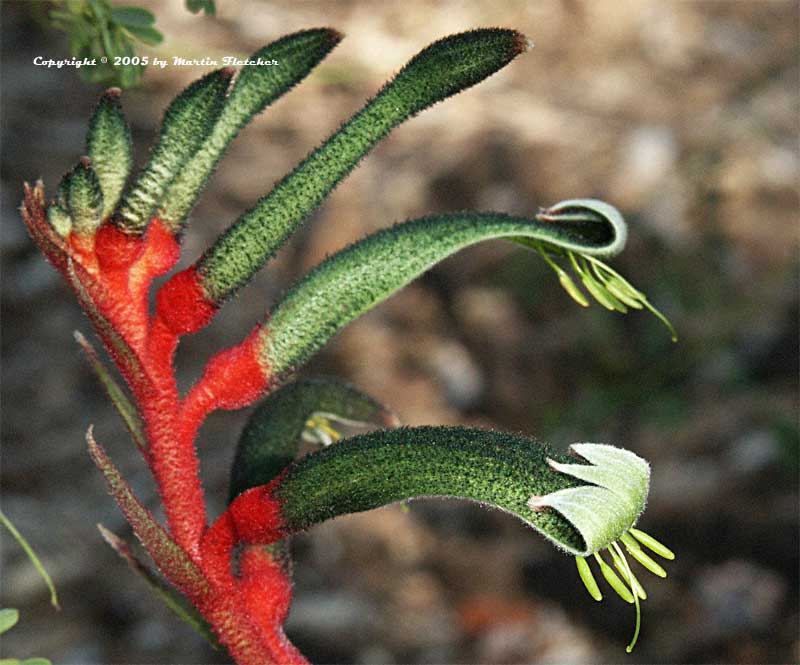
621	294
320	430
635	637
613	580
564	279
651	543
623	284
620	566
592	286
647	562
629	541
626	584
588	579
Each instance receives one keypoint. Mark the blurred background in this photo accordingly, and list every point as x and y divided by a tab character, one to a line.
682	114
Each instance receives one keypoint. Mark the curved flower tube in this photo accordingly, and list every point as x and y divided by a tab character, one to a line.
583	506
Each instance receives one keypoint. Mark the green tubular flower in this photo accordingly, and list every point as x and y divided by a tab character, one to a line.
582	507
357	278
619	483
441	70
255	88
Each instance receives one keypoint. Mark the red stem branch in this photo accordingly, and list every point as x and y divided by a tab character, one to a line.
112	274
175	464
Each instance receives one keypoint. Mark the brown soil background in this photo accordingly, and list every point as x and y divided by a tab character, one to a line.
682	114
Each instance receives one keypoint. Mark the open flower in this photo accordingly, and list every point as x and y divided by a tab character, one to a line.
604	513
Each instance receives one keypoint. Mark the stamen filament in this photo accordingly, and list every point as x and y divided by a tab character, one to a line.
663	319
636	585
588	579
615	582
629	648
651	543
566	281
647	562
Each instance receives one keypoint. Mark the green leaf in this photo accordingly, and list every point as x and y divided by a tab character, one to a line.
439	71
493	468
8	618
37	564
60	17
187	122
131	74
111	41
164	592
100	8
109	146
207	6
99	31
132	17
359	277
130	415
271	438
256	87
149	36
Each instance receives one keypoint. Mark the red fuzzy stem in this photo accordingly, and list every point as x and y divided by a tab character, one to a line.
159	255
111	273
182	304
233	379
175	464
258	572
173	457
116	250
253	517
245	646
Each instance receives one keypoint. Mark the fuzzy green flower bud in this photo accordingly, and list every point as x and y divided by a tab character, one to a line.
187	122
108	144
84	198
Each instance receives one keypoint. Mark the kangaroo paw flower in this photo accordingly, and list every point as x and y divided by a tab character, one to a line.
604	513
111	236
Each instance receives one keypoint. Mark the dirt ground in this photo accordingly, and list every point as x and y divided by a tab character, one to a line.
682	114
